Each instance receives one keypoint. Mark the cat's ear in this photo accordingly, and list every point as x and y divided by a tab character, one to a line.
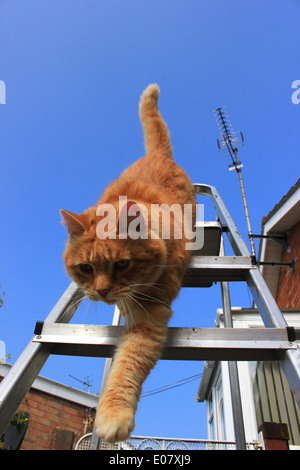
76	223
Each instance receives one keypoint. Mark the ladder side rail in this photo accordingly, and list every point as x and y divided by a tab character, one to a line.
232	232
267	307
21	376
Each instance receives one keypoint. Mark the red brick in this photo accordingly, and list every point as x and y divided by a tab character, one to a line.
47	413
71	411
39	399
44	443
288	291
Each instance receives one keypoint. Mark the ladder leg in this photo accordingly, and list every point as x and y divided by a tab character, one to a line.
236	401
291	366
95	441
18	381
21	376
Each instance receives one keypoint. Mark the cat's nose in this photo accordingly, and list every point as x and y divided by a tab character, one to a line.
103	292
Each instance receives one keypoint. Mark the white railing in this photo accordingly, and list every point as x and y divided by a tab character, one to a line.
161	443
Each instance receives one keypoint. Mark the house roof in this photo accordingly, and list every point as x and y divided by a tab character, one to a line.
282	201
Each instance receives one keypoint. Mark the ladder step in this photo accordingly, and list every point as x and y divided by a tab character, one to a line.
182	343
203	271
210	234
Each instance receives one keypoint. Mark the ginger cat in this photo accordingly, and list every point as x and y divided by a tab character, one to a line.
141	274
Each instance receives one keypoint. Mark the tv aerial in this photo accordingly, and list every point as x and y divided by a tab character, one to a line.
87	383
228	142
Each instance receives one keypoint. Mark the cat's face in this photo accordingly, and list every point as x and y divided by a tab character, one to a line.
111	269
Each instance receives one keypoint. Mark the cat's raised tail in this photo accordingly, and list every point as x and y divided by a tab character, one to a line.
156	134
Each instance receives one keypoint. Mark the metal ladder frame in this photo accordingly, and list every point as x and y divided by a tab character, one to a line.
18	381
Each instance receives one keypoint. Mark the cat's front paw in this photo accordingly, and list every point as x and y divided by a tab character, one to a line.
115	424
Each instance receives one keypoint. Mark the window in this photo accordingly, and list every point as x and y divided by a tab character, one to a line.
220	408
215	410
210	419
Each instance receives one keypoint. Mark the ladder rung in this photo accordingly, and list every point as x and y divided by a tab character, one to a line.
182	343
204	270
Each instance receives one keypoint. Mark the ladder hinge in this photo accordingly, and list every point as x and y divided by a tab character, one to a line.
291	334
38	327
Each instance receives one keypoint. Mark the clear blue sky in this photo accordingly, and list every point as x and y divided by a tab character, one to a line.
74	71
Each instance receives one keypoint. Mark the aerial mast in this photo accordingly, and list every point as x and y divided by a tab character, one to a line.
229	142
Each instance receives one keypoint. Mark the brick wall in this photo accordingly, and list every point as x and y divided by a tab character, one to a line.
288	290
48	412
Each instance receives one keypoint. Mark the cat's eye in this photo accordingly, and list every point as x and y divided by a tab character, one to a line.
121	264
86	268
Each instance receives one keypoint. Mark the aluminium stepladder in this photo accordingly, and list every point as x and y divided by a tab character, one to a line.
277	341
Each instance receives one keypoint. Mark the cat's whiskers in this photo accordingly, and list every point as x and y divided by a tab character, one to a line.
128	309
152	285
133	297
95	305
130	296
150	298
87	310
75	303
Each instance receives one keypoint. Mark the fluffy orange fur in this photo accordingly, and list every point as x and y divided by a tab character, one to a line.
141	276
